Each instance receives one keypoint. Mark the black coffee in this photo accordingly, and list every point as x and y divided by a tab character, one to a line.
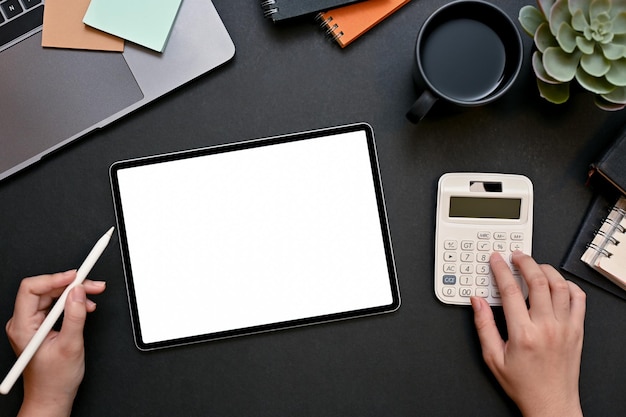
464	59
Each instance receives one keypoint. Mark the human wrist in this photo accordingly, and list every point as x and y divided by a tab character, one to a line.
554	409
52	407
38	410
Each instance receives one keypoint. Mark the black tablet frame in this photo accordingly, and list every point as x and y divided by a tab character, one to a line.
233	147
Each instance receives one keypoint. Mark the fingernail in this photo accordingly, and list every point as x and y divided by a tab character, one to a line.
78	296
476	304
68	273
496	255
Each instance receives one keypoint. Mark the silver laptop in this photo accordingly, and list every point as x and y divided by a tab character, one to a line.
50	97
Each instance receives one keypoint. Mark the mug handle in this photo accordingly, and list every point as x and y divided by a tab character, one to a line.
421	107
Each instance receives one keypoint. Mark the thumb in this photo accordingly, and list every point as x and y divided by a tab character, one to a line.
71	334
490	340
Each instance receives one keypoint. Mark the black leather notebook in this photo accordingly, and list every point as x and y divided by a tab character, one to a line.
612	165
278	10
598	209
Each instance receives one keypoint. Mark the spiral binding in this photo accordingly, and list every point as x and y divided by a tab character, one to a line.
600	250
330	29
620	211
269	8
608	237
614	223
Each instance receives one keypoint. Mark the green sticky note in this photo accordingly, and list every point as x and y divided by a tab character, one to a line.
145	22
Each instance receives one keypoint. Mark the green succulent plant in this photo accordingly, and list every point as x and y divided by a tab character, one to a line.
582	40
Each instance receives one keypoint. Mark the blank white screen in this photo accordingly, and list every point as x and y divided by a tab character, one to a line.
255	236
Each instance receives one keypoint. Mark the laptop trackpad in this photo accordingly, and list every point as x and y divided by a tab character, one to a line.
57	94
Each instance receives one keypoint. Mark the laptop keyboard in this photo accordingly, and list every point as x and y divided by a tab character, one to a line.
18	17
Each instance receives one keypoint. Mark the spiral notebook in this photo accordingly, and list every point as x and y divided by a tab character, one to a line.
345	24
278	10
606	253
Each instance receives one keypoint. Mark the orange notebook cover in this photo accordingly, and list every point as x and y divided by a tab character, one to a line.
63	27
347	23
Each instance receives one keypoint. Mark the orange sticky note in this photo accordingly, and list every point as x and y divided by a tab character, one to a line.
63	27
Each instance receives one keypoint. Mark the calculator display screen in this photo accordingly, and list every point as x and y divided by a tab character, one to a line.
485	208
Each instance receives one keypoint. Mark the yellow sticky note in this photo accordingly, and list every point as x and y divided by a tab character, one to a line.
63	27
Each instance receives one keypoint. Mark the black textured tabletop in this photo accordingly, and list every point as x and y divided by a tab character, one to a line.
423	359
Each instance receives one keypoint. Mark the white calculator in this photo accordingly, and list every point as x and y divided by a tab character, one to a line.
477	214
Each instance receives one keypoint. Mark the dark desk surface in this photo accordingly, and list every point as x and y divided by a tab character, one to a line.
423	359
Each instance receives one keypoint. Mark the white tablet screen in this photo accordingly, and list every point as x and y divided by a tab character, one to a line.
254	236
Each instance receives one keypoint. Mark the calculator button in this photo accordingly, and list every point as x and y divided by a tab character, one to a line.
449	268
482	281
517	246
465	280
449	279
482	292
450	245
466	292
467	245
517	236
484	235
467	268
482	269
499	246
467	257
495	292
499	235
484	246
482	257
448	291
449	256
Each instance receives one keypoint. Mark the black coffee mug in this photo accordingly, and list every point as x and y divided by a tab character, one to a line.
469	53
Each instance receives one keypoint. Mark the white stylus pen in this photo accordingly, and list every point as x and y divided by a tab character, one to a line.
54	314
